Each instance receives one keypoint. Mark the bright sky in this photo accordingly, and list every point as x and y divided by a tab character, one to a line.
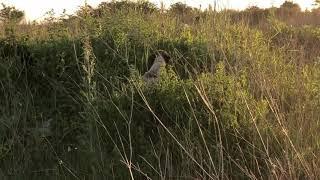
35	9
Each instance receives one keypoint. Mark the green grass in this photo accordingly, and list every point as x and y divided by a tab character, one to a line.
238	102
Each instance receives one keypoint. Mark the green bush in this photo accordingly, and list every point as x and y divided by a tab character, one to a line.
221	101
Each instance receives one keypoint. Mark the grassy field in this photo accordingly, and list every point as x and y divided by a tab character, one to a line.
240	100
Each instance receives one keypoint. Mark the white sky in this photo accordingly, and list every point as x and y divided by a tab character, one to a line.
35	9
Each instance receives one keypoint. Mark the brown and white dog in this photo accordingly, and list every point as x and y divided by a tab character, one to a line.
156	61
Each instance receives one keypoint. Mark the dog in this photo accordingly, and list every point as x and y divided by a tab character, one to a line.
155	62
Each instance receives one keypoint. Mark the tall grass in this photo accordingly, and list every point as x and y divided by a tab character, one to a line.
236	103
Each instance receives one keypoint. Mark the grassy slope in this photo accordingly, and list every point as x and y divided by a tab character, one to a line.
237	102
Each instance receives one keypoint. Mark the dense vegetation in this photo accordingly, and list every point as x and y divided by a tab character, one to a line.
240	100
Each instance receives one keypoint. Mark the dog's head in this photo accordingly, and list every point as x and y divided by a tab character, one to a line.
156	54
165	56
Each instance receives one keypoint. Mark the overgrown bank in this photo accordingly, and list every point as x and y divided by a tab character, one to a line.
232	105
